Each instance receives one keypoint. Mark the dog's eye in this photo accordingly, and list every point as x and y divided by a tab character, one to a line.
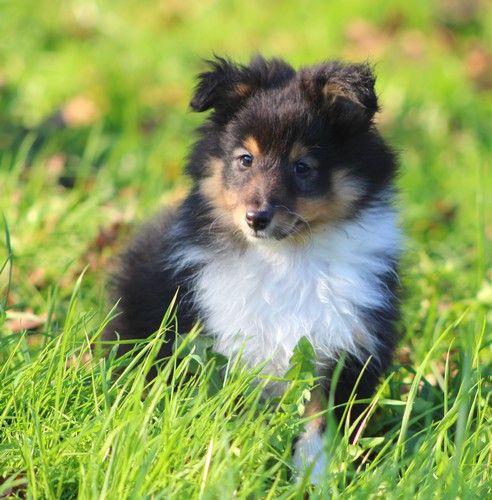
245	160
302	169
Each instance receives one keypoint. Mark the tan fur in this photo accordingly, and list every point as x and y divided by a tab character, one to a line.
346	191
230	206
251	144
333	90
243	89
297	151
212	187
227	204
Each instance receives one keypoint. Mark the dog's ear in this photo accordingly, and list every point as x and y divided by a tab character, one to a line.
227	85
344	91
223	82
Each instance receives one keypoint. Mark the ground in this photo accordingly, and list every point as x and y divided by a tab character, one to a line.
94	130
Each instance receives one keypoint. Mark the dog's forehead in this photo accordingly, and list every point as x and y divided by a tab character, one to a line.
273	121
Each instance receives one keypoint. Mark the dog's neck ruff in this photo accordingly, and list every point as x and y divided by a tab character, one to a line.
260	301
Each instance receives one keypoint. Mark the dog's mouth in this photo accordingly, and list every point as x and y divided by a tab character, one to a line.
279	231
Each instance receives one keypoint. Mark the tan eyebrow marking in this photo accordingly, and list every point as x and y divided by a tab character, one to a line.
251	144
297	151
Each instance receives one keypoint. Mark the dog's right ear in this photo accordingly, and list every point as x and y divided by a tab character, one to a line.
221	84
227	85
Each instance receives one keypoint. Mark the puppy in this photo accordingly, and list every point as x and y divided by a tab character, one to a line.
288	231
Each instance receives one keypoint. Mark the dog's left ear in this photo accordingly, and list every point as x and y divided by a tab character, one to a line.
345	92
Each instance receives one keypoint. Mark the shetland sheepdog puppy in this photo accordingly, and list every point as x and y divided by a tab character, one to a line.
288	231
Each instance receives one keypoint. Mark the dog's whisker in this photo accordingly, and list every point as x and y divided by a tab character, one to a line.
215	221
299	218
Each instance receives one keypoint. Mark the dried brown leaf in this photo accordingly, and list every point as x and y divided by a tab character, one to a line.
479	68
37	278
412	44
80	111
365	39
18	321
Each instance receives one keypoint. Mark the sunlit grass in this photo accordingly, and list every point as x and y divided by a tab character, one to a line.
75	424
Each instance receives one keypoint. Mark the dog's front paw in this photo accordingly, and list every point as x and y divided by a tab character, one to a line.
309	457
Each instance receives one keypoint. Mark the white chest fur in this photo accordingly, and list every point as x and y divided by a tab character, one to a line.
262	301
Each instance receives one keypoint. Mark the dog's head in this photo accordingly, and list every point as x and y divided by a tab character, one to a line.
284	152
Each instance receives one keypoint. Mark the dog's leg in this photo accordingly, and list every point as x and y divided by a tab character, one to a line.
309	453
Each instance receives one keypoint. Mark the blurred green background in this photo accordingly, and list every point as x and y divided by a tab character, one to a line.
94	123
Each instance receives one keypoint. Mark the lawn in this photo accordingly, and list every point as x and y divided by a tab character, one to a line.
94	131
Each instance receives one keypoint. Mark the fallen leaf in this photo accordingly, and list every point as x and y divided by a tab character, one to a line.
412	44
447	38
12	297
365	39
403	355
55	165
446	211
107	236
459	12
79	111
394	21
80	361
13	486
37	278
444	306
478	66
18	321
16	197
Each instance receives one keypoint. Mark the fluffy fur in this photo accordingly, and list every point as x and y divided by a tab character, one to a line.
288	230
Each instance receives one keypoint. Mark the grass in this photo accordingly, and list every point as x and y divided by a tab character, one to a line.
94	130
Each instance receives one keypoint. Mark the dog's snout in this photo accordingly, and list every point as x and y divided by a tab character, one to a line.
259	219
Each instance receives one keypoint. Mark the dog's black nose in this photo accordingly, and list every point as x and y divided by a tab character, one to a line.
259	219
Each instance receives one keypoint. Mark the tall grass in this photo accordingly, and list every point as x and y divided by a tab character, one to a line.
74	424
